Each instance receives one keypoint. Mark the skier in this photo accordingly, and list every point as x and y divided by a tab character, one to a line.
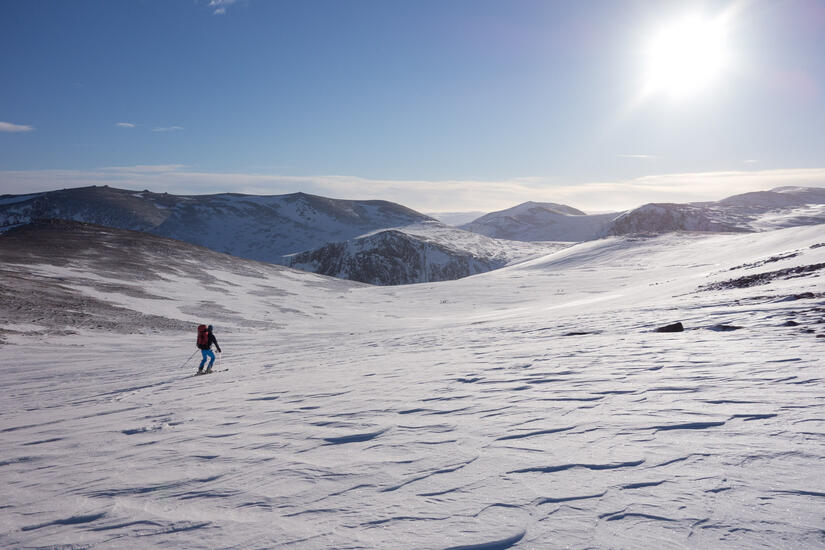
205	341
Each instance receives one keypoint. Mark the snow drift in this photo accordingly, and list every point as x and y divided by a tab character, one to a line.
528	407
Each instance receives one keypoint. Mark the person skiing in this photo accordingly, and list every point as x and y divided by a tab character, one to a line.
205	341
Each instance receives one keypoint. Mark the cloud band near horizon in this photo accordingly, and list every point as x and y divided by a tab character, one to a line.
423	195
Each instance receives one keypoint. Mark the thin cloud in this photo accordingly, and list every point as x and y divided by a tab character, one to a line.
167	128
220	6
125	124
750	161
143	168
9	127
641	157
423	195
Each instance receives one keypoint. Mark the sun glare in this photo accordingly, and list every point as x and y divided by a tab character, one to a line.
686	56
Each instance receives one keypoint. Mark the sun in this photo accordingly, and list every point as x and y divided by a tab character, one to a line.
686	56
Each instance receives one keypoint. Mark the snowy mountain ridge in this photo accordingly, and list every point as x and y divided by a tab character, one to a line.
385	243
412	247
263	228
536	221
757	211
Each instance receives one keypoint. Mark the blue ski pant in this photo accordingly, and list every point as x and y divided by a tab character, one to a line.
207	354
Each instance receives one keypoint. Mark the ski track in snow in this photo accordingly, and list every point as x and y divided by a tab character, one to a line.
483	429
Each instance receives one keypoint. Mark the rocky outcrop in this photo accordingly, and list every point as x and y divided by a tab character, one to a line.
391	258
419	253
673	327
663	218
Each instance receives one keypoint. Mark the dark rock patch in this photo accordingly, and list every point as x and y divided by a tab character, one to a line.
765	278
673	327
725	328
772	259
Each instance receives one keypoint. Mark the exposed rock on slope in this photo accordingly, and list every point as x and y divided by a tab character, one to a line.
661	218
758	211
389	257
416	254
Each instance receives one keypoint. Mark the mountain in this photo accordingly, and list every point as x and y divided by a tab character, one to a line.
666	217
533	406
540	221
255	227
369	241
54	274
758	211
425	252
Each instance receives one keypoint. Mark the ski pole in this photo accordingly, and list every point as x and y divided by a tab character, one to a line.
220	357
190	357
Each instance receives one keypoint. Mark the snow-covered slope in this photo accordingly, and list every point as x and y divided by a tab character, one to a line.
528	407
255	227
664	217
759	211
426	252
455	218
63	276
536	221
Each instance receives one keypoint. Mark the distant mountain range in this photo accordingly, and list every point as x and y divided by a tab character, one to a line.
758	211
372	241
381	242
255	227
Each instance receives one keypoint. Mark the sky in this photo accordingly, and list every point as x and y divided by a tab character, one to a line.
438	105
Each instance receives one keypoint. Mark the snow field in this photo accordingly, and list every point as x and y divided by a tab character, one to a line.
442	415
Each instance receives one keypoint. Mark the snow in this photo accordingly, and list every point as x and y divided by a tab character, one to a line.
447	415
13	199
415	253
263	228
456	218
535	221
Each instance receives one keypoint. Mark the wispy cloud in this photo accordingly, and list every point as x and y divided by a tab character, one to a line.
167	128
125	125
640	157
142	169
9	127
423	195
220	6
750	161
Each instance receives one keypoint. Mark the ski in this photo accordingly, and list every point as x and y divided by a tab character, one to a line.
213	371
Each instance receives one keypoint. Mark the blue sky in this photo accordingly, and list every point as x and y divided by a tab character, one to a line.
439	105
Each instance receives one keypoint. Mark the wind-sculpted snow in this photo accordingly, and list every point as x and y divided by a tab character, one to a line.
451	415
